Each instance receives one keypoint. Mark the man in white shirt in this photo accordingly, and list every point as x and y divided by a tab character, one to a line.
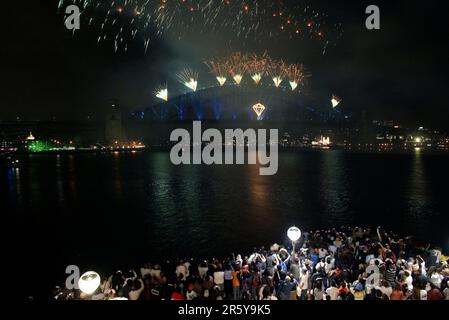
332	292
329	265
303	286
219	279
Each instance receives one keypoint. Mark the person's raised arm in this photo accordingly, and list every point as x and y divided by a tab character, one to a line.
251	258
420	261
380	237
378	234
276	259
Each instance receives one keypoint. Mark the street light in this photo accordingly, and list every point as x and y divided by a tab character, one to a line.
89	282
294	234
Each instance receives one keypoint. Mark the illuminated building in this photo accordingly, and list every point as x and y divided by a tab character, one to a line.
30	137
114	126
6	145
39	146
322	142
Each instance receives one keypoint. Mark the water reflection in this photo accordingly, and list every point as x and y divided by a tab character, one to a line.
14	186
335	189
60	182
72	177
418	194
117	174
160	209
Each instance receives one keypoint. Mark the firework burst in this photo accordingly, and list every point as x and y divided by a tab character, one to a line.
189	78
219	69
335	101
162	93
278	70
237	67
119	22
258	67
296	75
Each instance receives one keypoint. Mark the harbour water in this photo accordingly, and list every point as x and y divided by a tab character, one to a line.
100	210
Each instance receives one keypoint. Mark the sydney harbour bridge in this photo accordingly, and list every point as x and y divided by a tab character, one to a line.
236	104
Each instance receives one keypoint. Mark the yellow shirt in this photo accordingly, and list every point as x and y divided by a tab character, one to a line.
359	295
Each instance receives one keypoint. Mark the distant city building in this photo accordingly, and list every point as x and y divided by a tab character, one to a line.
385	123
114	133
322	142
7	145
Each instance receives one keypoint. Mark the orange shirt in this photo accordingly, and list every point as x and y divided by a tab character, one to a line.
396	295
235	279
343	290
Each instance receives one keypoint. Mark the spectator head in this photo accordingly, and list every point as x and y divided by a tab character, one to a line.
358	287
378	293
274	248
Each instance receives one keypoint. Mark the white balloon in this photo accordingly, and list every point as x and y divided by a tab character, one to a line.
294	234
89	282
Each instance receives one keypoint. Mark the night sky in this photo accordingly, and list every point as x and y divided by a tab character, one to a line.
399	72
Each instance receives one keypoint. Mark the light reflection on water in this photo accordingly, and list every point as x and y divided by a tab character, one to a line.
419	195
